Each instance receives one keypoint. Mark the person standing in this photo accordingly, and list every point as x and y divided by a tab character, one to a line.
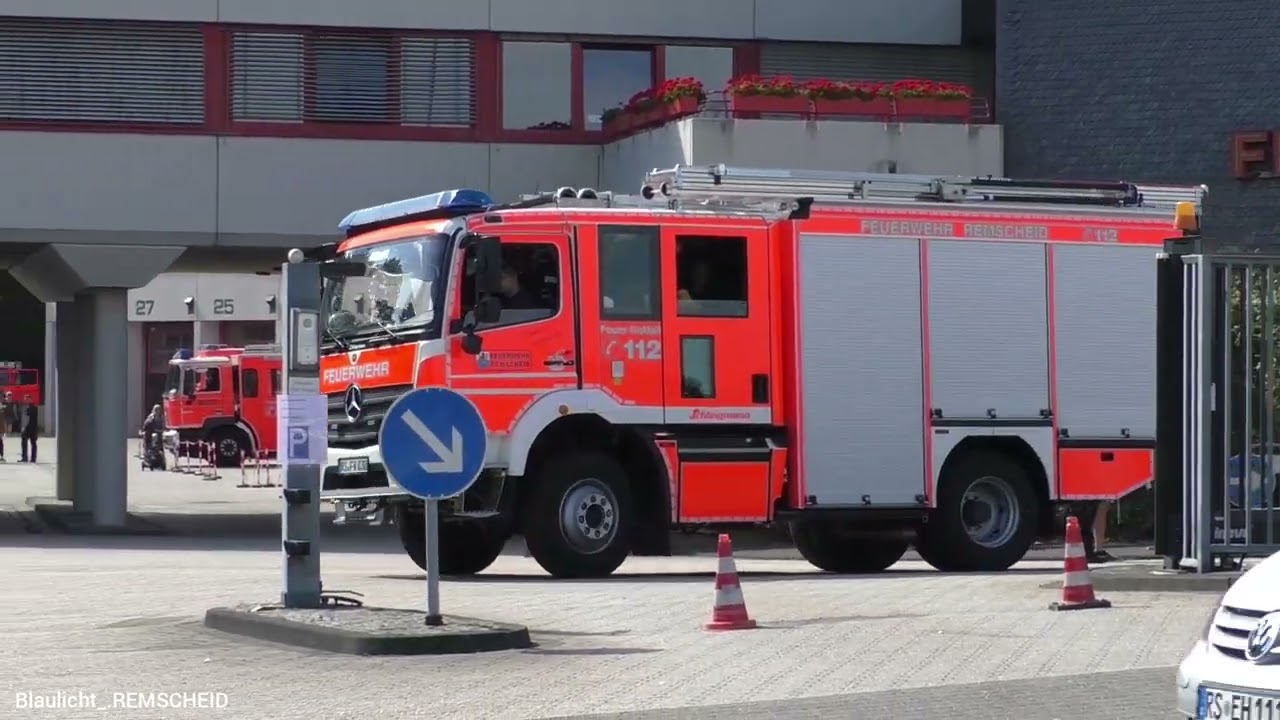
6	410
30	433
1092	515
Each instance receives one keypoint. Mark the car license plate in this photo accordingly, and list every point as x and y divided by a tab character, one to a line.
353	465
1233	705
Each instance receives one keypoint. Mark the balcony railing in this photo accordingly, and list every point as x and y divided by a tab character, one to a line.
722	105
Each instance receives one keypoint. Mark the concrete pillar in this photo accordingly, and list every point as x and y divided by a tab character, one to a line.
106	404
205	332
67	351
48	411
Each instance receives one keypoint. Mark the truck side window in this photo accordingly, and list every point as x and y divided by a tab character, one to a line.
531	283
711	276
698	366
275	382
249	383
629	281
212	380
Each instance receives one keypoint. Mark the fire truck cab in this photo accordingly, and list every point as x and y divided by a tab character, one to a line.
23	383
874	360
226	397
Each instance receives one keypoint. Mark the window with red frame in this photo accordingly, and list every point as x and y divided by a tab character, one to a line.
352	78
611	74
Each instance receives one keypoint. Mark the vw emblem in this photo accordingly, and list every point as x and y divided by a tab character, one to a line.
1263	638
353	403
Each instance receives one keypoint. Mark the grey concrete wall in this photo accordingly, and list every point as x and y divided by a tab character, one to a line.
1143	91
930	22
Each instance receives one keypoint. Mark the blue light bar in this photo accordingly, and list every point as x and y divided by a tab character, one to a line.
182	354
450	203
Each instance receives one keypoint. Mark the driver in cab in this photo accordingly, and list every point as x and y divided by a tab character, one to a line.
515	297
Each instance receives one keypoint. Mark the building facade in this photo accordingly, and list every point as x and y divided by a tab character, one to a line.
182	122
1161	91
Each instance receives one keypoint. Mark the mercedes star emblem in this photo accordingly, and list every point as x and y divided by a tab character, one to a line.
1263	638
353	403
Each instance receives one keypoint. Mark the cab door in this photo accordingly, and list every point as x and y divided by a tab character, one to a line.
531	349
715	324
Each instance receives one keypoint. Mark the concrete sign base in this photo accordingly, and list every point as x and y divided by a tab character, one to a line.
367	630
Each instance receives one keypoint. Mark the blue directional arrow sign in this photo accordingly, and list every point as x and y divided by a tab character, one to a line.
433	443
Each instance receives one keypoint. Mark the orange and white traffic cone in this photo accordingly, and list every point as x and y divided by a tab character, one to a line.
730	611
1077	587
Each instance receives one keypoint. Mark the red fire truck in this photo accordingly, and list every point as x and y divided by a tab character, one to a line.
876	360
225	397
24	383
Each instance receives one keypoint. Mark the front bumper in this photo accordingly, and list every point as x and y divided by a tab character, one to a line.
373	484
1207	665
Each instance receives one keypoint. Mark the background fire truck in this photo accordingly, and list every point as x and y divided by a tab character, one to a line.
875	360
225	399
24	383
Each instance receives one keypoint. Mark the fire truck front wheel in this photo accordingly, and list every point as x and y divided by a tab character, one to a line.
579	518
827	546
986	516
229	446
466	546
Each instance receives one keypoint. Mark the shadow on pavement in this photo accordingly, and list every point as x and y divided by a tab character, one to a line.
703	576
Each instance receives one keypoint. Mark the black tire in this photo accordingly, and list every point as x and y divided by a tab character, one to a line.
827	548
467	546
606	500
229	447
945	542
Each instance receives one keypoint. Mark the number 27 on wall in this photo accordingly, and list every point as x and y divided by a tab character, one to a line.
643	350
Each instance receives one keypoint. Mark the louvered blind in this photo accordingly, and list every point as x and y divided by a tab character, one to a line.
100	72
352	79
812	61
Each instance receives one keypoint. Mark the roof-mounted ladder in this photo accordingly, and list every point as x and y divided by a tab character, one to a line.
720	184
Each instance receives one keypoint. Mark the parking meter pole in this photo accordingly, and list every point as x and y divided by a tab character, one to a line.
431	516
300	521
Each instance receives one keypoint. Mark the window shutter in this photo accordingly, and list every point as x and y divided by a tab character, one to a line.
349	78
97	71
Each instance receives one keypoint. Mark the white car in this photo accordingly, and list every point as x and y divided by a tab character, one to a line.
1233	672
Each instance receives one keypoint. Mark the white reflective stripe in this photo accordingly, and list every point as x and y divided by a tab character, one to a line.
1077	578
512	375
726	565
729	597
1075	551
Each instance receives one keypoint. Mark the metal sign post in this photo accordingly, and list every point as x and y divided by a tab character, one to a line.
301	414
433	443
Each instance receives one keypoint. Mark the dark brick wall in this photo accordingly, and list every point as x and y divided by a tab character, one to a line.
1143	90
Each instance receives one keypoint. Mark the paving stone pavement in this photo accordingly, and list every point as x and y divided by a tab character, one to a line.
128	618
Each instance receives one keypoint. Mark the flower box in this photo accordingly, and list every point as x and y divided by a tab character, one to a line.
932	107
853	107
681	107
769	104
617	125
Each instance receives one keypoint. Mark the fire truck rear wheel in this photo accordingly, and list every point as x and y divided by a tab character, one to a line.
579	516
228	446
985	519
467	547
826	547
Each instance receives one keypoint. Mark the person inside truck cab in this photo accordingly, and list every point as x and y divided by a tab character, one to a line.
696	287
209	383
514	296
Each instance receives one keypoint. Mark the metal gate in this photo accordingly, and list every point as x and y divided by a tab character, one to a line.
1217	375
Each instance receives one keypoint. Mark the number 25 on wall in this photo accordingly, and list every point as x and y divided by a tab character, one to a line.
224	306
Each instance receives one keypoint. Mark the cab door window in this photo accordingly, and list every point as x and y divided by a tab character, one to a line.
629	279
711	276
530	283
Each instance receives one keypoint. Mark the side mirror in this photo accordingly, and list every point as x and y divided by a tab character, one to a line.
488	310
488	266
471	344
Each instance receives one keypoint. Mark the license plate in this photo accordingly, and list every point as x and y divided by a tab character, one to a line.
1234	705
353	465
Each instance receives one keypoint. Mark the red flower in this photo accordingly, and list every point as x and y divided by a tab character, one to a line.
756	85
844	90
677	88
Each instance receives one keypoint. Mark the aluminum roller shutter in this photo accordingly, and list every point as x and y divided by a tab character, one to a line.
332	77
812	61
97	71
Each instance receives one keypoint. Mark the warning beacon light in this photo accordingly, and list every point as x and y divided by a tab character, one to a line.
447	204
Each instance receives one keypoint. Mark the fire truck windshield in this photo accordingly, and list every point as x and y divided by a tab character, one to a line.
399	291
